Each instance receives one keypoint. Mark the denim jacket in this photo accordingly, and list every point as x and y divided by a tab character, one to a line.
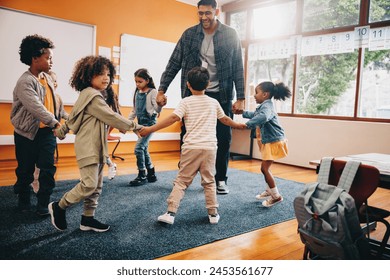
266	118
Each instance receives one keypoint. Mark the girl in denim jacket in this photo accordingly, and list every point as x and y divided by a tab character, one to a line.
270	135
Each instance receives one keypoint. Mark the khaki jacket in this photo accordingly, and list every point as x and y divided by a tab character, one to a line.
88	121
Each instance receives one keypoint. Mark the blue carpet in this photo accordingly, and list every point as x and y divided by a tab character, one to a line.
132	213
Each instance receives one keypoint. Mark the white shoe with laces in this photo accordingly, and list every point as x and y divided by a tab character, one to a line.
272	201
222	188
263	195
112	171
167	218
214	219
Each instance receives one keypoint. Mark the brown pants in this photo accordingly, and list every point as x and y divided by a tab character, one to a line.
192	161
89	189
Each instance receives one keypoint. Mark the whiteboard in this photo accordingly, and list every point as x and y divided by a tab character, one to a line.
139	52
72	41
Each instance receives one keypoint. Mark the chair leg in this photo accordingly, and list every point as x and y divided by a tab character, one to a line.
385	237
113	152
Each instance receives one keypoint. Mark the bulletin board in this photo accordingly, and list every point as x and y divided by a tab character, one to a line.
72	41
139	52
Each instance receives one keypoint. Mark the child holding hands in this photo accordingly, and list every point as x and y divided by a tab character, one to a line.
198	153
88	120
270	135
146	110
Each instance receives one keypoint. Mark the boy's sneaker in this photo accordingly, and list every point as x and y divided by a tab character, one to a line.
214	219
167	218
90	223
263	195
58	218
272	201
222	188
112	171
42	211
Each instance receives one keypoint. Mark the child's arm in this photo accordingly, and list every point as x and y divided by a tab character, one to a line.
171	119
248	114
229	122
156	107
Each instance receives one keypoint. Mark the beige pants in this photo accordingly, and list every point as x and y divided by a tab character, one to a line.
89	189
192	161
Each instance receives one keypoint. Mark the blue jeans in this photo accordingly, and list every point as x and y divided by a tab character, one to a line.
142	153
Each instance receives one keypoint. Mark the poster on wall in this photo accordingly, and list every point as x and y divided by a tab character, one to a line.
139	52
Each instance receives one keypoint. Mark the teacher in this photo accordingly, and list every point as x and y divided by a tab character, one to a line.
217	47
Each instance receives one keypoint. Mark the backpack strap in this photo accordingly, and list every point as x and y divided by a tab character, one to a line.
323	174
348	175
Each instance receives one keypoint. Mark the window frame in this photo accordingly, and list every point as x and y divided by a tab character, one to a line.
250	5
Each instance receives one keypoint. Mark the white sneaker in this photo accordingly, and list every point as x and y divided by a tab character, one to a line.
272	201
112	171
222	188
214	219
263	195
166	218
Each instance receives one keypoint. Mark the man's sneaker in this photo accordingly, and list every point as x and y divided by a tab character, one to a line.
90	223
58	218
214	219
272	201
263	195
112	171
168	218
222	188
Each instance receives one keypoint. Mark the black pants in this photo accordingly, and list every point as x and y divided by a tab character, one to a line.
224	139
39	152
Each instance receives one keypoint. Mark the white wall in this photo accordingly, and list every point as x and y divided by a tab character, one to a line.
310	139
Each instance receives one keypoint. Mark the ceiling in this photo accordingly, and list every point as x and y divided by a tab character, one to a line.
195	2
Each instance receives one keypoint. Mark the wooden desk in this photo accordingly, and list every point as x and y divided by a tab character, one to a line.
380	161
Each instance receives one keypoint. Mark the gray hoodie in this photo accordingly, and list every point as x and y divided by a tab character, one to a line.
28	108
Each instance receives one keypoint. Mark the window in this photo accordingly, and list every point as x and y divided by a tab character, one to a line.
336	64
327	84
273	21
270	62
238	22
375	89
326	14
379	10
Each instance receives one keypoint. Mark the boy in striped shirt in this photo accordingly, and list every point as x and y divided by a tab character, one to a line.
198	152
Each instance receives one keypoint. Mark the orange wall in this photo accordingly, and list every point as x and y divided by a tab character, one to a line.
157	19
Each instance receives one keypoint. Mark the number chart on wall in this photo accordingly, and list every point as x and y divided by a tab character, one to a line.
139	52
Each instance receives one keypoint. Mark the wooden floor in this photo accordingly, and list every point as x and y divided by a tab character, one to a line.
277	242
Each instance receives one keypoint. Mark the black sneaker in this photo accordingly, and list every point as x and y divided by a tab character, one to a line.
42	211
90	223
58	218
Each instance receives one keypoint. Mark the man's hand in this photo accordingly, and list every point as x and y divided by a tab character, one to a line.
161	99
241	126
238	106
145	131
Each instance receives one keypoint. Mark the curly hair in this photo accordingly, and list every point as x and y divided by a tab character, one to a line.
89	67
33	46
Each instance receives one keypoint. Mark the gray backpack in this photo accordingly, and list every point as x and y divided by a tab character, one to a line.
328	222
